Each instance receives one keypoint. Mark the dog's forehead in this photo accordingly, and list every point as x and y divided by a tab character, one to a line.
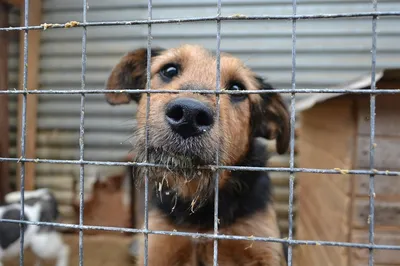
196	59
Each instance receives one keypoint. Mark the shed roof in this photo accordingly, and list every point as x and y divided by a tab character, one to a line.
362	82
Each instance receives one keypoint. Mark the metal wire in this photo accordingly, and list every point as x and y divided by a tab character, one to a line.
297	91
292	135
217	173
82	134
23	132
215	167
146	174
46	26
215	236
210	236
371	217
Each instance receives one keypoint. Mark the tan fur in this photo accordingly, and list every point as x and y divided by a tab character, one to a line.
234	135
105	207
178	250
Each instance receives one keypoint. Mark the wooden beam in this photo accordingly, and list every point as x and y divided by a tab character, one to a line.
4	112
35	12
16	3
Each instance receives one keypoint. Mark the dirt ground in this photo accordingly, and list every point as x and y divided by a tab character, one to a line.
99	250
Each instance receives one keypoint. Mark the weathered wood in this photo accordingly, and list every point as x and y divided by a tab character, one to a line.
381	256
56	182
321	255
387	113
332	226
386	187
335	134
387	153
326	141
16	3
280	179
4	113
387	214
365	262
330	144
35	12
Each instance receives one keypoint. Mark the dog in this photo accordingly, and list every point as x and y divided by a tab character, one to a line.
107	204
184	134
45	241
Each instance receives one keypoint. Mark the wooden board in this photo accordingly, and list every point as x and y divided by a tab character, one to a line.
318	255
386	187
330	226
387	214
35	11
17	3
381	238
4	113
326	140
387	113
387	153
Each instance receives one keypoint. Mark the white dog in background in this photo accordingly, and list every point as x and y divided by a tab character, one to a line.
45	241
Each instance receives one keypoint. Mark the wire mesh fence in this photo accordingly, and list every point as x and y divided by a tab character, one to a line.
218	19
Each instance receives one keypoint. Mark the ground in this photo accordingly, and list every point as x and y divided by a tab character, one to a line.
101	250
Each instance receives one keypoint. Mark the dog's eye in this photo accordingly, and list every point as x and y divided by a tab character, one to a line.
169	71
235	86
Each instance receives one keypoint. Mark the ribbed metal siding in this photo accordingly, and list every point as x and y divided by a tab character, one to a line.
328	52
13	69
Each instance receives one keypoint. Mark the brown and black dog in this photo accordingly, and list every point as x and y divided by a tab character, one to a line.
183	134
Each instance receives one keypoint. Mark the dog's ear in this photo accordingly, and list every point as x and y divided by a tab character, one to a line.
129	74
270	117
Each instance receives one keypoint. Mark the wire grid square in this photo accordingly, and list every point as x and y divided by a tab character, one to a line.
374	15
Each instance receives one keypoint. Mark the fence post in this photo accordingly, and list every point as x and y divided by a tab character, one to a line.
4	112
35	10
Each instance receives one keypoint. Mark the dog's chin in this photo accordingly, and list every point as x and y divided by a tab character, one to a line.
184	163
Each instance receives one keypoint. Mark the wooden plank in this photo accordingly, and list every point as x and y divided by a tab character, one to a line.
60	182
365	262
330	144
326	140
16	3
387	153
322	255
330	226
386	187
35	12
387	112
387	214
381	256
331	201
4	113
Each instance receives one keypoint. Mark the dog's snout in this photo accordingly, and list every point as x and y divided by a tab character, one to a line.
189	117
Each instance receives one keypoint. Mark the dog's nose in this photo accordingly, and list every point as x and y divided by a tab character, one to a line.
189	117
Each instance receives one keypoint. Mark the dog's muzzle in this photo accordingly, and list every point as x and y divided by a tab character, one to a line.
189	117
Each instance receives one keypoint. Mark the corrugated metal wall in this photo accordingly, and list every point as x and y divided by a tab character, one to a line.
13	69
328	52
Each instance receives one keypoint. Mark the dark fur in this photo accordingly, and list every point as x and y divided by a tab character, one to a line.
243	195
49	210
10	232
132	74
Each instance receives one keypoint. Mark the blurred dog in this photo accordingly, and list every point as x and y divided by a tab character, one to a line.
45	241
183	134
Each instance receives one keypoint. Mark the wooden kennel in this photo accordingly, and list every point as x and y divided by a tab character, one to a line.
334	132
